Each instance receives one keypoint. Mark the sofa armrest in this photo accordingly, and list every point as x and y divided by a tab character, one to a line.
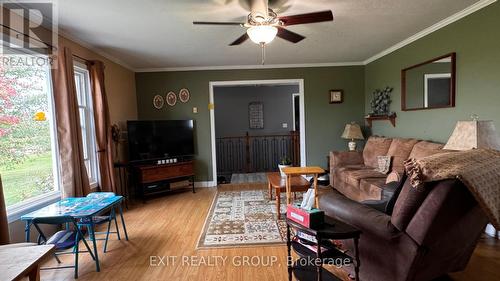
367	219
342	158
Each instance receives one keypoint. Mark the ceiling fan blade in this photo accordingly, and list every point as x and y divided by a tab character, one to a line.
218	23
240	40
307	18
289	35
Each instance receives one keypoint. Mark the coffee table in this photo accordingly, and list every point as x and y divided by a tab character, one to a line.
278	183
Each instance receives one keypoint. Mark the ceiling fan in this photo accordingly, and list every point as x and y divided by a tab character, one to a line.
263	25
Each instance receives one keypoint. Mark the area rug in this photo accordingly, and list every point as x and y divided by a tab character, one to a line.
244	218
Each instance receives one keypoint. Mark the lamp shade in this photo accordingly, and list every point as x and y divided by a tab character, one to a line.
262	33
352	131
473	134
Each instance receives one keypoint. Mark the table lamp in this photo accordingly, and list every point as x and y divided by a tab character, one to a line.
353	132
473	134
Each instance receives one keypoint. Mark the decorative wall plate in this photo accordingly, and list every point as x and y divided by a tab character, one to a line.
171	98
158	101
184	95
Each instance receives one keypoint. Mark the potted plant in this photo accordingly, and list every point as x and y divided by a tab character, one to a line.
284	162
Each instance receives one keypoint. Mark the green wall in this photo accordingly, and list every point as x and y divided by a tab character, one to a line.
476	40
324	121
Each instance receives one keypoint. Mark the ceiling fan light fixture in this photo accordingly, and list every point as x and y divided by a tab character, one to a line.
262	34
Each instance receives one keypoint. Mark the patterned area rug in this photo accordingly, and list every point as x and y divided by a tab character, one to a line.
244	218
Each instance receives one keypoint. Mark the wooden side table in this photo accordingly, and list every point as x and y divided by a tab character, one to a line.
278	183
303	268
299	171
21	260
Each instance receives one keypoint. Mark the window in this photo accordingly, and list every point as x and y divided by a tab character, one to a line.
28	146
82	83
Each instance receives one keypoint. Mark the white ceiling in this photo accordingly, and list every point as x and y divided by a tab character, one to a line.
159	33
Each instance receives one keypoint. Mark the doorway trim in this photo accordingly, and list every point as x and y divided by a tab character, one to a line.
211	106
293	112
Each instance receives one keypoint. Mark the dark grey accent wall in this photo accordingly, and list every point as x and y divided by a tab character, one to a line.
231	109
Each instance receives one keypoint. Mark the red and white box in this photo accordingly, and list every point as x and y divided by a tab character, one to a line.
310	219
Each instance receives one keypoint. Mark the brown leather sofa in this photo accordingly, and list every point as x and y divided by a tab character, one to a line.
353	173
430	232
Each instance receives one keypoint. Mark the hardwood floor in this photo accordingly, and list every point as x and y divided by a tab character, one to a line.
169	226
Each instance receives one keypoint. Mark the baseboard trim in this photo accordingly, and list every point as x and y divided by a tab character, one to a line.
205	184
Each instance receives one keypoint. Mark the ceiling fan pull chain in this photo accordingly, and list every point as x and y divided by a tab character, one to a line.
263	52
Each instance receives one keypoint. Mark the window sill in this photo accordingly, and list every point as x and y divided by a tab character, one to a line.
17	211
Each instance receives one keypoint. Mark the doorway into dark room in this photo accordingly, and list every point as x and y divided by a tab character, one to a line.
256	127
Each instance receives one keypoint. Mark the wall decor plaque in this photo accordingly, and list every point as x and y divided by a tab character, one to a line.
158	101
171	98
256	115
184	95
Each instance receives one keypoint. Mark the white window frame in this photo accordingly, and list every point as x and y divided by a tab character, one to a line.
428	77
90	135
17	210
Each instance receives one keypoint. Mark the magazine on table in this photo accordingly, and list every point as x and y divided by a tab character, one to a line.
312	247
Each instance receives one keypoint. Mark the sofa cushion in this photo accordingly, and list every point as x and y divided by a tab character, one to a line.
388	195
400	151
353	177
352	167
425	148
407	204
396	188
394	177
375	146
371	188
384	164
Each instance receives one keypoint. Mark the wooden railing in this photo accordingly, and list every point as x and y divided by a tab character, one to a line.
249	154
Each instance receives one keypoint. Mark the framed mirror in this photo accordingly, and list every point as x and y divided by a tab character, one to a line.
430	84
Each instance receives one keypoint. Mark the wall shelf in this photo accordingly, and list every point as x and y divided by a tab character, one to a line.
391	118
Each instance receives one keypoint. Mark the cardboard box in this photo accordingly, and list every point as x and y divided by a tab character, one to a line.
310	219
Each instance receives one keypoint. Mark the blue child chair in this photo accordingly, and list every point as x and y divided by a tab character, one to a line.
63	239
98	220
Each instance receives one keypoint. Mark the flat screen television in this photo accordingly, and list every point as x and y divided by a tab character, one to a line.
160	139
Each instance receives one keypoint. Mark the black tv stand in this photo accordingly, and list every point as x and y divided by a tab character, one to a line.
154	179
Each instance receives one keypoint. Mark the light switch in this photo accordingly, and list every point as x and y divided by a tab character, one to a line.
195	110
285	125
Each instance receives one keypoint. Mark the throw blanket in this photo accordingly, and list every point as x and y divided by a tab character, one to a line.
478	169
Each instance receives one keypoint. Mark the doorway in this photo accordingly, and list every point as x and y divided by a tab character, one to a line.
255	127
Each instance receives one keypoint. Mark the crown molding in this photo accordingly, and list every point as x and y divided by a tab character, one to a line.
235	67
467	11
457	16
98	51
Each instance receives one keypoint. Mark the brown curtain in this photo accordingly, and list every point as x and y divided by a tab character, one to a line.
75	181
4	226
102	128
